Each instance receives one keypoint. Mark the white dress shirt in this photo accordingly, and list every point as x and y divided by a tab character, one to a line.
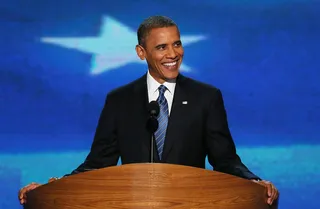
153	91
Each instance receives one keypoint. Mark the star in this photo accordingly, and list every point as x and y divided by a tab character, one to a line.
113	48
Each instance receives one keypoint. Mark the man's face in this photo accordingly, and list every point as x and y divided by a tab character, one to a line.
163	51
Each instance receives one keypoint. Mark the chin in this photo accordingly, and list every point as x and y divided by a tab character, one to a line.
172	76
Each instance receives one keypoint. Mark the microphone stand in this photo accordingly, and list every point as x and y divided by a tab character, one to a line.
152	127
152	148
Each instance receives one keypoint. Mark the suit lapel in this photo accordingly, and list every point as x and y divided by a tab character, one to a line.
178	109
141	102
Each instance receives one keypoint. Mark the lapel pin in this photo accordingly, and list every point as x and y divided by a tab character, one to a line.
184	102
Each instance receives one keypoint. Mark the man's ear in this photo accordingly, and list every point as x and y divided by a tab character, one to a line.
140	52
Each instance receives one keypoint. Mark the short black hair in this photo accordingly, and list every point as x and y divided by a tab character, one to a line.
151	23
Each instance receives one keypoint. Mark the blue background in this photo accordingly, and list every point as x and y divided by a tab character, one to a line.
263	55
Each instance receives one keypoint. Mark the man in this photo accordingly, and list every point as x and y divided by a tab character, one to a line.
192	118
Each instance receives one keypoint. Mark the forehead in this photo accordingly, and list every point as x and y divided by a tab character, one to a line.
163	35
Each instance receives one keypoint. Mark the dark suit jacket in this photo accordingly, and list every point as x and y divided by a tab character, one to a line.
195	130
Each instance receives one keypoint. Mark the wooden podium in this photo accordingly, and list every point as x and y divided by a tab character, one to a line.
149	186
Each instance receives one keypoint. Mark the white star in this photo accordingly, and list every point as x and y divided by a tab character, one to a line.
113	48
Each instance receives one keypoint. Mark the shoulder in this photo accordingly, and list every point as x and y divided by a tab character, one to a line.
205	96
127	90
198	87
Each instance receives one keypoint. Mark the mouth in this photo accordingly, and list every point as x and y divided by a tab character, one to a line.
171	65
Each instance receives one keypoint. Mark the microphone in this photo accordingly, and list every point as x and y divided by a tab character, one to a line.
152	123
153	109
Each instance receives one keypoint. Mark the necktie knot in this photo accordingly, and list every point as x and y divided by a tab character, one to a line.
162	89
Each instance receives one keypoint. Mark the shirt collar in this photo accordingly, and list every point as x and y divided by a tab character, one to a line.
153	85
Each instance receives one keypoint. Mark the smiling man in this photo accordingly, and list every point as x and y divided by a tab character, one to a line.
192	117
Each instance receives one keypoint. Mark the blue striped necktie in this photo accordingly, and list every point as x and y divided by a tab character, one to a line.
160	134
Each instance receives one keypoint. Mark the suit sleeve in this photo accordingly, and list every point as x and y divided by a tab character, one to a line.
104	149
221	148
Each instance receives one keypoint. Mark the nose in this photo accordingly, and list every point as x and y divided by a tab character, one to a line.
171	53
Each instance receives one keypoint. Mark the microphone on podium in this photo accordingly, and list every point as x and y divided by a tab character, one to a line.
152	123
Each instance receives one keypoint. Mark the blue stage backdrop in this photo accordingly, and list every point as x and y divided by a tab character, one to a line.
58	60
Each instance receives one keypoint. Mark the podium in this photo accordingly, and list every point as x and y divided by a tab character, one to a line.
149	186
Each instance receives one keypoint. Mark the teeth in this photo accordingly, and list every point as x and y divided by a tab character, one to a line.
170	64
